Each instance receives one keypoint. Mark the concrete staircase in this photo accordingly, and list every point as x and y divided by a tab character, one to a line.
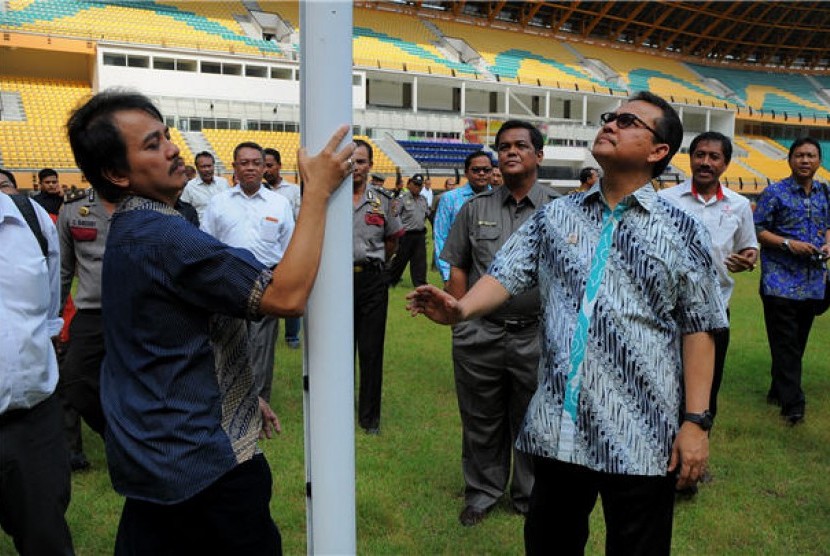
197	143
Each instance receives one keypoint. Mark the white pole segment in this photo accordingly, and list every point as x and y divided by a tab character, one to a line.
328	365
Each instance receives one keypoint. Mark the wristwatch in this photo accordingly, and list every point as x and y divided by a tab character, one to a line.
785	245
704	420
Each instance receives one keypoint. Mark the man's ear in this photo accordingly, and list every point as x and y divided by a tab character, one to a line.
116	177
659	151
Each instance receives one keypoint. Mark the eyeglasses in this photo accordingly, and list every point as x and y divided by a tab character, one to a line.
627	119
481	169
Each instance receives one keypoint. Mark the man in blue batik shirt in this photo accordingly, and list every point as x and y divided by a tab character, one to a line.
629	299
177	388
792	220
478	167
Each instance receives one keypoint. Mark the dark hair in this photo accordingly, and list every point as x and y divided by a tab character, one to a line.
804	141
669	127
535	135
477	154
10	176
362	143
273	152
725	143
247	145
96	141
585	174
200	155
46	173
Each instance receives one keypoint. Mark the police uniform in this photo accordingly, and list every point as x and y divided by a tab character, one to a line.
412	248
495	357
373	223
83	225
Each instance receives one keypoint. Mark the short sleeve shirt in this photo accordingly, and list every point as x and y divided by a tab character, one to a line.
176	422
83	226
413	212
373	221
786	210
658	284
728	218
482	226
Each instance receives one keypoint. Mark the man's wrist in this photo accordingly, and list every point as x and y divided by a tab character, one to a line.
704	420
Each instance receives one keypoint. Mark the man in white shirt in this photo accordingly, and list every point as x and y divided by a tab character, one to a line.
34	460
201	189
728	218
255	218
273	165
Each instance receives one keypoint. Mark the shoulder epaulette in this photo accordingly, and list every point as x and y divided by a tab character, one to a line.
383	191
74	195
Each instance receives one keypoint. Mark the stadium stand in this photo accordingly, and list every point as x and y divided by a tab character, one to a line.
39	139
402	42
437	154
139	22
527	60
660	75
223	141
769	92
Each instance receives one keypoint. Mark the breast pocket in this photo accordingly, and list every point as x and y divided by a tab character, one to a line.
486	242
269	230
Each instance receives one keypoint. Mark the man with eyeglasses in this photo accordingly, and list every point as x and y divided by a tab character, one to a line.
478	167
629	299
496	357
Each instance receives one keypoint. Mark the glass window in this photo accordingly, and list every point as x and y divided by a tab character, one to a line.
211	67
256	71
232	69
186	65
164	63
281	73
138	61
115	60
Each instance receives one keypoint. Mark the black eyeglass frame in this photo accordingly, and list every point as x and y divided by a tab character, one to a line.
480	170
608	117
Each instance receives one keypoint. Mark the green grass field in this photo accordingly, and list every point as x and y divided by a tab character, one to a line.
769	495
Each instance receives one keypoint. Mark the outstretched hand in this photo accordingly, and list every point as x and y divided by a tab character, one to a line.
435	304
323	173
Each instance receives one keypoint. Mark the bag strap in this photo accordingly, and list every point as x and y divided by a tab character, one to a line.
24	205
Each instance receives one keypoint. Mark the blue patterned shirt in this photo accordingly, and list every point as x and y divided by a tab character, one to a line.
176	384
448	206
785	210
619	290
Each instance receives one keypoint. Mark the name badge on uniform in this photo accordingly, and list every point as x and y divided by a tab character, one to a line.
487	223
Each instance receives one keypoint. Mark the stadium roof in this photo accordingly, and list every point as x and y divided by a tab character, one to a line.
783	34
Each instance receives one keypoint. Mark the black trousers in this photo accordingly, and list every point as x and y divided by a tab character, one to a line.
80	382
371	300
412	249
638	511
721	347
788	324
231	516
34	479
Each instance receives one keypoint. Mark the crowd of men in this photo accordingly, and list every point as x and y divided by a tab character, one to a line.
589	330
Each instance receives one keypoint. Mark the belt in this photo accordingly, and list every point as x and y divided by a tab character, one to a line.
89	312
513	324
416	232
368	266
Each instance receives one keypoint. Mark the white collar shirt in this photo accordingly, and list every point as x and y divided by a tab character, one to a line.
199	193
261	223
428	195
291	192
728	218
29	303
